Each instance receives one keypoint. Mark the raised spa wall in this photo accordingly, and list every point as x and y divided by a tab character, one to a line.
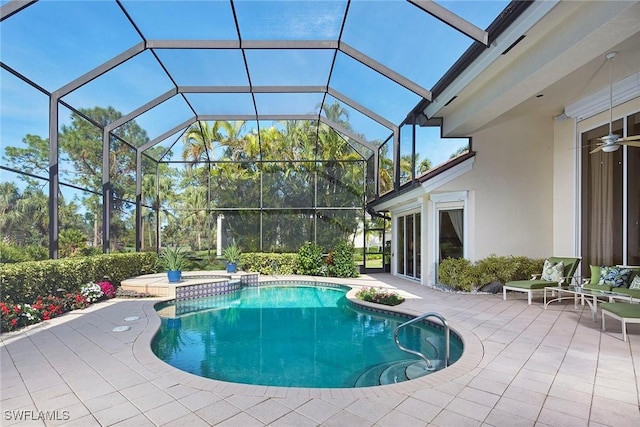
193	284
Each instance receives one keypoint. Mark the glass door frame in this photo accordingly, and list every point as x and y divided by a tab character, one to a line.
445	202
408	244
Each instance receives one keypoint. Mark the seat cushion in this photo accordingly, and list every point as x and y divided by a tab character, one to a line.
622	309
633	293
529	284
596	287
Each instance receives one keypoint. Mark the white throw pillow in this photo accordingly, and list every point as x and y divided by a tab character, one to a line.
635	283
552	272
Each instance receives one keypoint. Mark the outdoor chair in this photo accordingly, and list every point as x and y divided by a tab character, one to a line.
623	311
537	284
624	282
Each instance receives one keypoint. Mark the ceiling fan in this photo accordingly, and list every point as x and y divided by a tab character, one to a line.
613	141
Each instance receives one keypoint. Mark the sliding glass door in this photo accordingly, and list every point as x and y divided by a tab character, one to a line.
408	257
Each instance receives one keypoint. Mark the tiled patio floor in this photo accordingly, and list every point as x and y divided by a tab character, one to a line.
523	366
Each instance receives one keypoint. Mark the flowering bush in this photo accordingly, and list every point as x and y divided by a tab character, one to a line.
91	291
107	289
10	316
379	296
75	301
14	316
30	315
49	307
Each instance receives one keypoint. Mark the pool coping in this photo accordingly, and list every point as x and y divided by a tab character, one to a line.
472	354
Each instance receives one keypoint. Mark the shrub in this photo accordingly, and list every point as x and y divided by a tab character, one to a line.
11	254
457	273
107	289
92	292
462	274
71	242
36	253
270	263
379	296
23	282
310	259
340	261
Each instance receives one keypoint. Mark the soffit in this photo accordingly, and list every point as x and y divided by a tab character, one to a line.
561	58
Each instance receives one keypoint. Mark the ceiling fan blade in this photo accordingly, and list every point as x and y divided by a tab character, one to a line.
630	138
598	148
630	143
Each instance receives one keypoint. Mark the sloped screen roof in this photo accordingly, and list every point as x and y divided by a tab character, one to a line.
166	62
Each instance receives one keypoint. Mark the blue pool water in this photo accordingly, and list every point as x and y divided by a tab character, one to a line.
294	336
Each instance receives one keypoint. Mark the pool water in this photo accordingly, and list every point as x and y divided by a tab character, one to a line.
293	336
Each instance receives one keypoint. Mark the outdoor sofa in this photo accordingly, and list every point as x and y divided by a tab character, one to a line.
537	283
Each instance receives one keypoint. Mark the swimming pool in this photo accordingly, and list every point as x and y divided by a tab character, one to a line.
293	336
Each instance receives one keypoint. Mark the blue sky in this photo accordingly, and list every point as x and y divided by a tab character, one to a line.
73	37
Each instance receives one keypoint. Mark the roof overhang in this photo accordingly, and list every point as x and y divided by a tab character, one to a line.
561	37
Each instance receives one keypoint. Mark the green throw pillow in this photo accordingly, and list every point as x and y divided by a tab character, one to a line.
615	276
635	283
552	272
595	274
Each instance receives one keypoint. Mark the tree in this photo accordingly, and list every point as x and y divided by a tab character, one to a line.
459	151
194	199
82	143
337	114
32	159
386	169
203	138
24	220
9	215
424	166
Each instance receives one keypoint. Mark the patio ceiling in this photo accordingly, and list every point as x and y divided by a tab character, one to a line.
168	64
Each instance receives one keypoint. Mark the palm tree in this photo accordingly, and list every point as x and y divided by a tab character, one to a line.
201	138
337	114
33	208
9	215
156	196
424	166
195	199
386	170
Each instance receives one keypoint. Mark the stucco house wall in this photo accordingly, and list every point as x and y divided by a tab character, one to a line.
512	186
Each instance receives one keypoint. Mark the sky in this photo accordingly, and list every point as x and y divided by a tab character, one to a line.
73	37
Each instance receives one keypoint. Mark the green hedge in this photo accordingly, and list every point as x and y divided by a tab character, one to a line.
462	274
310	260
23	282
269	263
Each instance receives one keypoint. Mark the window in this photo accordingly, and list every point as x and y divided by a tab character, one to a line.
610	199
450	234
450	227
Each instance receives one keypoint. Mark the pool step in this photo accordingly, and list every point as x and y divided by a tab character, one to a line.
371	376
395	372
